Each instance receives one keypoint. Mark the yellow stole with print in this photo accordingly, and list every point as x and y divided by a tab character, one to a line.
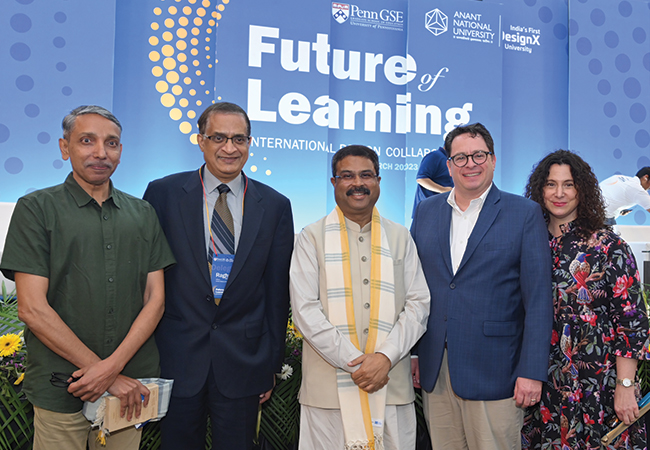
362	413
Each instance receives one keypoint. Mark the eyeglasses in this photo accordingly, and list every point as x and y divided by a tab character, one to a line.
240	140
350	176
61	379
479	157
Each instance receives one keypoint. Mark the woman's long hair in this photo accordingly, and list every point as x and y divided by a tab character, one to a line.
591	207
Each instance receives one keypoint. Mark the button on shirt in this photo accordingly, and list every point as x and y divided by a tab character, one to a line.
462	225
234	198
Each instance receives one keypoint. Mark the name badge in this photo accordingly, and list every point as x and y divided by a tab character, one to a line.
221	267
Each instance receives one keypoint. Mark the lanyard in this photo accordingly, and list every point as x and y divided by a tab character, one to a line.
207	212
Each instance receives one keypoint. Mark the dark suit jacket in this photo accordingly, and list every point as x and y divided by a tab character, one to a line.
243	338
496	312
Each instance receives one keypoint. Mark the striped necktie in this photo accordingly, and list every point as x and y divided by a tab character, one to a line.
222	227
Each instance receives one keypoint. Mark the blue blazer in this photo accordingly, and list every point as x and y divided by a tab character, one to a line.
495	314
242	338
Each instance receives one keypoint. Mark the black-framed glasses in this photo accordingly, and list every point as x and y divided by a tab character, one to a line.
479	157
239	140
61	379
350	176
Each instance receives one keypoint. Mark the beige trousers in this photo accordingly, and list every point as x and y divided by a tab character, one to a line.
458	424
61	431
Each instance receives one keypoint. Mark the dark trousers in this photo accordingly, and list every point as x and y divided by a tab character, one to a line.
233	420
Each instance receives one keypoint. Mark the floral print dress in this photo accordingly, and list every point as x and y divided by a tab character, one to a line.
599	314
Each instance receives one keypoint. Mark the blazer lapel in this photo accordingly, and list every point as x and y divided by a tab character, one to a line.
192	209
444	231
253	216
486	218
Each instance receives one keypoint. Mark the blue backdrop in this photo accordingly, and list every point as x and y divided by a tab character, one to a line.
395	75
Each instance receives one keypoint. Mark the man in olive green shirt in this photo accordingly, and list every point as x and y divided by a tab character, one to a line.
88	263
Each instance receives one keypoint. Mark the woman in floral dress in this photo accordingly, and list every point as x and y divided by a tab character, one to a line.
600	323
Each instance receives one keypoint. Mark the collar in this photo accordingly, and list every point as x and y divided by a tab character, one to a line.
568	227
81	197
477	202
211	183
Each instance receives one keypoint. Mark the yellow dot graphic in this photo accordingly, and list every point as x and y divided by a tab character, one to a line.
203	84
191	114
153	40
207	39
194	52
211	23
157	11
181	33
169	63
157	71
268	172
187	10
185	127
172	77
162	86
221	7
195	31
226	1
253	168
207	48
154	26
193	139
265	158
183	102
207	92
177	90
172	10
192	1
206	4
210	66
182	57
167	36
169	23
197	21
175	114
183	68
183	21
200	12
252	154
154	56
187	80
192	92
167	50
167	100
194	41
218	16
199	103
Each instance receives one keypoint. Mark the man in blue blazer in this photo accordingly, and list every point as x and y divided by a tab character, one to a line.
221	350
486	259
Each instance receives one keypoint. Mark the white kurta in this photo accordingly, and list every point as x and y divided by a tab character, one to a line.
310	317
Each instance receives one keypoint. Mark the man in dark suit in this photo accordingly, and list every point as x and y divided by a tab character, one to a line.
222	345
486	259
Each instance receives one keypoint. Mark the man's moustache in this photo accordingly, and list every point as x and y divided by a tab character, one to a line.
358	190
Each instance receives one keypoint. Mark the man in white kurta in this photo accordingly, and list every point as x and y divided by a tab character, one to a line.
621	193
329	349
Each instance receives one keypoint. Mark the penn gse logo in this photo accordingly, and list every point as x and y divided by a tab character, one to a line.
340	12
436	22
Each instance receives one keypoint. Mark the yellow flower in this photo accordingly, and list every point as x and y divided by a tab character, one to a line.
20	379
9	344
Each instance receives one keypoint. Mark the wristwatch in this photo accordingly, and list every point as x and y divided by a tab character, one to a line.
625	382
